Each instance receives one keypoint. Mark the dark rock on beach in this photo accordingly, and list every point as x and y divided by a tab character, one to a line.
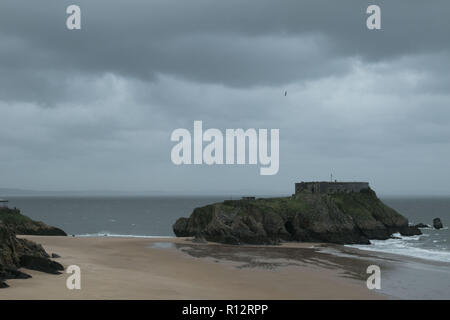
437	224
342	218
20	224
55	256
40	264
408	231
15	274
16	253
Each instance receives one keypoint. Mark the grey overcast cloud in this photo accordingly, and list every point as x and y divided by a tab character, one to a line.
93	109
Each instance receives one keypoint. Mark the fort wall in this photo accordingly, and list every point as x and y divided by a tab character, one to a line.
330	187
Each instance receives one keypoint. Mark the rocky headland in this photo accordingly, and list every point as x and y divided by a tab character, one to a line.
20	224
341	218
16	253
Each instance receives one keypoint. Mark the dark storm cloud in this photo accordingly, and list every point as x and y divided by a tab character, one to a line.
94	109
235	43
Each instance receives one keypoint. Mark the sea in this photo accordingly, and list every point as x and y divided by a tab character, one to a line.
142	216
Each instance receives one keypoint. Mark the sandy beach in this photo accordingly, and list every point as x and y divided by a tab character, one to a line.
176	268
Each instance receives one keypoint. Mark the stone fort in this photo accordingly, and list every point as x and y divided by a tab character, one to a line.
330	187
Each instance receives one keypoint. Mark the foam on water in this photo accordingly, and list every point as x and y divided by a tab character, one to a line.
408	246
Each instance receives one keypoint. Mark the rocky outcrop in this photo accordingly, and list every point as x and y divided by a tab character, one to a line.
16	253
422	225
437	223
40	264
343	218
20	224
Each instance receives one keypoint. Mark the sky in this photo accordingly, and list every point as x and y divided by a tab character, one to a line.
94	109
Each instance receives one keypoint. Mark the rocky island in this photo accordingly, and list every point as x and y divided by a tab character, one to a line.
334	212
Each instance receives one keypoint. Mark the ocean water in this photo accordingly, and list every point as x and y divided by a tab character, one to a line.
112	216
154	216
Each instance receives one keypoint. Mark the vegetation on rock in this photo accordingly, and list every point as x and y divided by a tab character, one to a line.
20	224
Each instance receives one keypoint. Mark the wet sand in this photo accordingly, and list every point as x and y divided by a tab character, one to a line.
176	268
